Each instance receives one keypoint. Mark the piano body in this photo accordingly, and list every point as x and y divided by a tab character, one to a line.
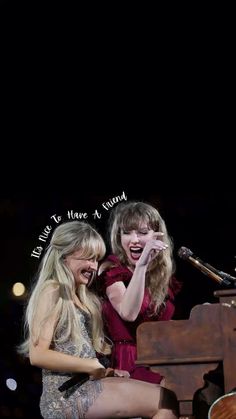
184	350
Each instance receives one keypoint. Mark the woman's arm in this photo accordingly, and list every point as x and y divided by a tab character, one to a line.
43	357
40	353
128	301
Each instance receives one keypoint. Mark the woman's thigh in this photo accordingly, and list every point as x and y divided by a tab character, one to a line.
125	398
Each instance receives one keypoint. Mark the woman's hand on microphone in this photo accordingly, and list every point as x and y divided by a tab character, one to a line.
98	374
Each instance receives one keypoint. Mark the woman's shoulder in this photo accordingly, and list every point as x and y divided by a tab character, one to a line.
111	265
111	270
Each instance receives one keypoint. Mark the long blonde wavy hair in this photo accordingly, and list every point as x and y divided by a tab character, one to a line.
53	272
129	216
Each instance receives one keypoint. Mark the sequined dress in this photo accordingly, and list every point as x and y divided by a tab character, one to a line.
74	402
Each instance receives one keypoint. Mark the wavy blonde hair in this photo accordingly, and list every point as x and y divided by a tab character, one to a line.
129	216
53	273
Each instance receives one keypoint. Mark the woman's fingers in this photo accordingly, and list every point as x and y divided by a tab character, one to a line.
108	372
157	235
121	373
159	245
98	374
155	245
151	250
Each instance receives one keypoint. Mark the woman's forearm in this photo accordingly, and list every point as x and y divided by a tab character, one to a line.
131	303
58	361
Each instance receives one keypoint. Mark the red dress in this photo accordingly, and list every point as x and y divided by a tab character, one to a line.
123	333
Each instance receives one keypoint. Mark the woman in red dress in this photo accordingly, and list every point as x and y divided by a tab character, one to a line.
137	281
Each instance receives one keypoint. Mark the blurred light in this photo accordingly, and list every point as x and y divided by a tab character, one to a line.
18	289
11	384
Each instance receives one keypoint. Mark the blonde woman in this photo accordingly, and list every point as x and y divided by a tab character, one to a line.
65	337
136	280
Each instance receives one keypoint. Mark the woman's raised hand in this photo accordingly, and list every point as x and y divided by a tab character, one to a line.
152	247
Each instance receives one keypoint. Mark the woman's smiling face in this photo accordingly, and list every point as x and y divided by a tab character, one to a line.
133	241
81	268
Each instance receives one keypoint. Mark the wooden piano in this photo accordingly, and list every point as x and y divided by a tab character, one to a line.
184	350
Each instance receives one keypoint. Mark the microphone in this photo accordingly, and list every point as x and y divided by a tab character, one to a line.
82	377
78	379
219	276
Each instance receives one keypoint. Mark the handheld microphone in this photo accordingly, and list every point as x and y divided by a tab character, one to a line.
219	276
81	378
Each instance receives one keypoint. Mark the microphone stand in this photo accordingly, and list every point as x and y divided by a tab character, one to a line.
227	279
219	276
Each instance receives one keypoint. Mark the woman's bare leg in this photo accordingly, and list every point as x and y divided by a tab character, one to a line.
127	398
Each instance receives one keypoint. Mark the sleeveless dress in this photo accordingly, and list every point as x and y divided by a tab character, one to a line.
74	402
123	333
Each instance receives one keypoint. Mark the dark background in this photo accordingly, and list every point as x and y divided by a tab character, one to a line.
165	93
200	221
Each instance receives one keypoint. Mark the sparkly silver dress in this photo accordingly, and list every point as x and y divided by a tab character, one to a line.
74	402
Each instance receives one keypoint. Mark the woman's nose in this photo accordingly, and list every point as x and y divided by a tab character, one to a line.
93	264
134	237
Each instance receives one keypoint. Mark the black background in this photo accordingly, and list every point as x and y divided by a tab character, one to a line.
68	119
